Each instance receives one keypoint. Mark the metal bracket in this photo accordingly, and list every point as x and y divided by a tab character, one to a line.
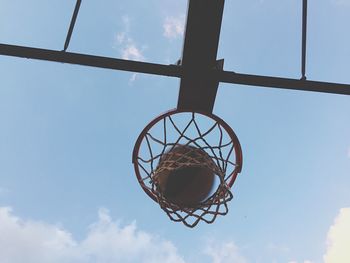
198	85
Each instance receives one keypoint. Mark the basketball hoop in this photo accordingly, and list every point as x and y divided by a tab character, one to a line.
188	146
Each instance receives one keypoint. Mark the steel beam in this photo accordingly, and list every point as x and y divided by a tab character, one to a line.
90	60
198	86
171	70
72	24
283	83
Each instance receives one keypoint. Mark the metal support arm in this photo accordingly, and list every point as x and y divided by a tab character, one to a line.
90	60
170	70
198	86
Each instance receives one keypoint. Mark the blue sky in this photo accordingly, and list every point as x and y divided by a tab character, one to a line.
67	187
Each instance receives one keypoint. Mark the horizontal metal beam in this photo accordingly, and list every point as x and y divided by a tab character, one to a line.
90	60
171	70
283	83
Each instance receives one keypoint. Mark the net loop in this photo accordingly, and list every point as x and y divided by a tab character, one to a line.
169	143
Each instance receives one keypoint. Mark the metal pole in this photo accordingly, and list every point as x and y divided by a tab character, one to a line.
72	23
303	48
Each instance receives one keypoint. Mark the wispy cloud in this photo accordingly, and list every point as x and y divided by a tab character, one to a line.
133	78
106	241
224	253
126	44
349	152
131	52
173	27
338	239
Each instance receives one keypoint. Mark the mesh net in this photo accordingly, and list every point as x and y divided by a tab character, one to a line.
209	145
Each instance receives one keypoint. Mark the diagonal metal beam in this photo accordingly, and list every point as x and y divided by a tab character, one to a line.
170	70
72	23
90	60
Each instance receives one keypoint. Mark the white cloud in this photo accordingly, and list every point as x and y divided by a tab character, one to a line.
125	43
133	78
349	152
174	27
120	38
338	239
106	241
224	253
131	52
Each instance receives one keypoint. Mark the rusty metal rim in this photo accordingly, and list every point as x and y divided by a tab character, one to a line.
228	129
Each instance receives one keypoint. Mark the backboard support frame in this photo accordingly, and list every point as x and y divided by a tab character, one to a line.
181	71
198	89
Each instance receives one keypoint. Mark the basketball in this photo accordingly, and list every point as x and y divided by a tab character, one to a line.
183	176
